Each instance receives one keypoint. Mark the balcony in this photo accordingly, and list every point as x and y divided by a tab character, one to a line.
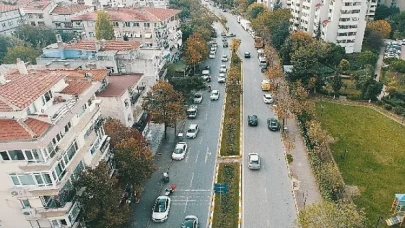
62	105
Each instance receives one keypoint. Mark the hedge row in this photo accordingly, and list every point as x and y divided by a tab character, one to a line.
226	209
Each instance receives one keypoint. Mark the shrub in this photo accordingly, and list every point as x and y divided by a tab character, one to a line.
399	110
379	103
289	158
353	97
387	107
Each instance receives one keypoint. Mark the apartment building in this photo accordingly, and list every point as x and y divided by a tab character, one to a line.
339	21
62	13
153	27
36	13
101	4
50	130
10	18
394	3
271	3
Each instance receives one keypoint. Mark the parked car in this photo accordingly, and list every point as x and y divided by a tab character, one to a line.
160	211
268	98
253	120
231	35
224	58
214	49
221	78
212	55
225	44
191	221
222	69
214	95
273	124
247	55
198	97
192	131
253	161
180	151
223	34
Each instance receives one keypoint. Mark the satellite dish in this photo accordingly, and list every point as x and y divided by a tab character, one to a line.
14	193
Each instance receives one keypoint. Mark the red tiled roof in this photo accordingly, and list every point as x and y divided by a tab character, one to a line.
22	90
128	14
96	75
7	8
37	126
117	85
76	87
35	5
110	45
70	9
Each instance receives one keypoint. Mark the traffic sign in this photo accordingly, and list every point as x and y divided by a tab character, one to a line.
221	188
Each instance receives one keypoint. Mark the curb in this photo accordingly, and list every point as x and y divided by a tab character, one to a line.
240	196
241	145
211	217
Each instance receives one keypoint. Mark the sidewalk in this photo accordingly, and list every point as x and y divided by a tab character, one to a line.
305	186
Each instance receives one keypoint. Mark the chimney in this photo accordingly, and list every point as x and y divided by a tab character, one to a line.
98	46
21	67
102	44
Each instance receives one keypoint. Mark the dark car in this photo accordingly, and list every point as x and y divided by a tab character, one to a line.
247	55
191	221
253	120
231	35
225	44
273	124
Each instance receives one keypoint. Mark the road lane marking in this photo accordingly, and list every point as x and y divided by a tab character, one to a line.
192	177
206	155
265	195
201	140
185	206
206	116
186	160
198	153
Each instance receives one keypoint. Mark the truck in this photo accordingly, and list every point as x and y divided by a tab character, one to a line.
245	24
192	111
259	42
265	85
260	53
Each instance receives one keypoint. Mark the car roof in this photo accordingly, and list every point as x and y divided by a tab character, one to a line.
180	145
215	91
267	95
163	197
246	52
254	156
193	125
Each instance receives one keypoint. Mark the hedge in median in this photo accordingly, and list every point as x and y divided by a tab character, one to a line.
231	125
226	209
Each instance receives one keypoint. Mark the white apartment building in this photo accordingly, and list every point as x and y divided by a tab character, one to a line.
10	18
62	13
153	27
396	3
37	13
270	3
50	129
339	21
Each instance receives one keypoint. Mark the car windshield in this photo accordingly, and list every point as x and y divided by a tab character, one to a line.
215	93
267	96
178	151
254	162
161	206
191	130
197	96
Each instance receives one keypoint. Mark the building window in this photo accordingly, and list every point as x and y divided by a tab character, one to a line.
135	24
33	23
91	34
48	96
127	24
82	109
126	103
4	156
116	24
146	25
40	16
41	23
25	203
16	155
90	23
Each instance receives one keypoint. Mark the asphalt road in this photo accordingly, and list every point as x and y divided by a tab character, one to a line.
267	193
194	175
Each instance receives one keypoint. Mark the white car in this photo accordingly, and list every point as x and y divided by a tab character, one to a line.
212	55
222	69
214	95
180	151
214	49
268	98
221	78
224	58
254	161
198	97
192	131
160	211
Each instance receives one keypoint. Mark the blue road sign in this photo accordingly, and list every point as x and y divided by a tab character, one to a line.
221	188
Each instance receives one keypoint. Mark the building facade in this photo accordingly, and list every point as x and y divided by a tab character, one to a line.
271	3
36	13
152	27
338	21
62	13
50	130
101	4
10	18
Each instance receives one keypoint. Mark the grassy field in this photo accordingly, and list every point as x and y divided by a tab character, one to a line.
226	209
376	153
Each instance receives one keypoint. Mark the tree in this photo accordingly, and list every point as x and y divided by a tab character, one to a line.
372	40
134	159
165	104
196	50
334	54
329	214
100	199
380	26
399	22
7	42
278	5
337	83
186	85
254	10
37	36
67	36
280	34
104	26
26	54
371	89
384	12
367	58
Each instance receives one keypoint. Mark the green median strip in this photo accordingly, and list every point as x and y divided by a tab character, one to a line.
231	126
226	209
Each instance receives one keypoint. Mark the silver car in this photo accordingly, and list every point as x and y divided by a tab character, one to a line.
254	161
